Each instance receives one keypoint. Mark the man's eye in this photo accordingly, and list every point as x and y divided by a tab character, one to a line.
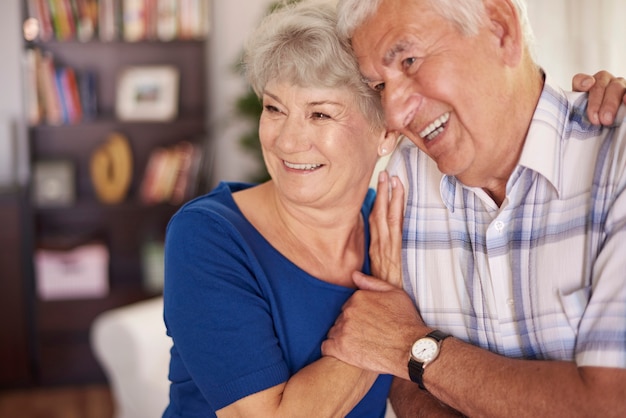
378	87
408	62
320	115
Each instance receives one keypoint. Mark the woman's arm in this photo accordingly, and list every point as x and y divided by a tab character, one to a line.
606	93
325	388
409	401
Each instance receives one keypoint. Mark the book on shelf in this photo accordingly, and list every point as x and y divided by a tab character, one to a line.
134	20
57	94
171	174
86	18
33	103
70	97
87	84
109	13
113	20
40	12
167	20
49	92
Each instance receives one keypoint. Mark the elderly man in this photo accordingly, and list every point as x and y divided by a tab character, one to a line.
514	232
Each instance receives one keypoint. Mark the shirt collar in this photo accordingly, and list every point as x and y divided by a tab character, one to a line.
542	148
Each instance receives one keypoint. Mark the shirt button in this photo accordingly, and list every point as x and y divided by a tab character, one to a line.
499	225
510	302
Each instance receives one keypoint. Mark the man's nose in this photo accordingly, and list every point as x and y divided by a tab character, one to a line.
401	101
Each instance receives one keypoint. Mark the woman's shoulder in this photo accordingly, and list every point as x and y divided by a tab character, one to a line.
216	207
219	198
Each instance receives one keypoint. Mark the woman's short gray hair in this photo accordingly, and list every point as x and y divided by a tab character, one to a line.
467	15
298	43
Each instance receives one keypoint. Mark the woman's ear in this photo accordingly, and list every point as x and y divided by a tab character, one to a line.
388	143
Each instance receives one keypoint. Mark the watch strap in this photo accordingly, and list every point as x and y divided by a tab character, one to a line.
438	336
416	368
416	372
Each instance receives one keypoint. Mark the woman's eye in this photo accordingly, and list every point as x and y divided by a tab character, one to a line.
270	108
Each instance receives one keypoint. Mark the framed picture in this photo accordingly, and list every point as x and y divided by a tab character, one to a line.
147	93
54	183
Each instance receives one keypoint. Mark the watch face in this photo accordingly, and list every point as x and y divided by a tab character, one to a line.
424	350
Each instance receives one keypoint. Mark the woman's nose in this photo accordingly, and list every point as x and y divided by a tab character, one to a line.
292	136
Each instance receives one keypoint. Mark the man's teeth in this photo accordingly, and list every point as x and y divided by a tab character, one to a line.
435	128
302	166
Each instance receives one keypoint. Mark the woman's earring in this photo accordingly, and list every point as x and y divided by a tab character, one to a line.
382	151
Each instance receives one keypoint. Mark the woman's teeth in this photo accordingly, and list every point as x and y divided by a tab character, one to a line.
435	128
306	167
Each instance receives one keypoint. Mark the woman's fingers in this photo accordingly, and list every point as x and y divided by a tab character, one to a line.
386	230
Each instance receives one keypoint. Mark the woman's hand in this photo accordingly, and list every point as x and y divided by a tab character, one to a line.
386	230
606	93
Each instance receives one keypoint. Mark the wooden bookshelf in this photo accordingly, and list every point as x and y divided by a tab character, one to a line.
59	341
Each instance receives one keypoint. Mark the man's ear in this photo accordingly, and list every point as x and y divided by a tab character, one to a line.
505	25
388	143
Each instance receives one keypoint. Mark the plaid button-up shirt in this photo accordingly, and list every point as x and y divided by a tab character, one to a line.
544	275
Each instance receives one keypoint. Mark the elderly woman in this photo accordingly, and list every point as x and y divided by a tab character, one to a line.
256	275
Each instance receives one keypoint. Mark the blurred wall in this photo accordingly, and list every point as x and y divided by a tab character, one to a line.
579	36
13	144
233	20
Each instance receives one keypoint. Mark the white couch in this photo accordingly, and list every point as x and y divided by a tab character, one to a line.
131	345
134	351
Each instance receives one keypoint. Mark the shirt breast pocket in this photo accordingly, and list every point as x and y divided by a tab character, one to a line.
574	304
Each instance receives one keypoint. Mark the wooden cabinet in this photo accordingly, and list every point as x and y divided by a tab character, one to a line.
61	352
16	366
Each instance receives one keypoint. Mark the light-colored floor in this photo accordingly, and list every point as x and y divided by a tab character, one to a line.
92	401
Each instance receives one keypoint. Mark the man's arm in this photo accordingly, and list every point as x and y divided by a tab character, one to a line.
409	401
379	323
606	93
481	383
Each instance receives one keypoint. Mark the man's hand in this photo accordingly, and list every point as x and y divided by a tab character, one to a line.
605	95
376	328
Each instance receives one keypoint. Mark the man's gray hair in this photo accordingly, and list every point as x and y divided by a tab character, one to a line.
466	14
298	44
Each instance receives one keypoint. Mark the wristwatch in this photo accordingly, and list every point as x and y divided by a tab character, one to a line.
423	352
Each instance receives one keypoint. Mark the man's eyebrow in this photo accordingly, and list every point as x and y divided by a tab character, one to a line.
395	50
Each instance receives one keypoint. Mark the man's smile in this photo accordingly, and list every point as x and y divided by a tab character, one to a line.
435	128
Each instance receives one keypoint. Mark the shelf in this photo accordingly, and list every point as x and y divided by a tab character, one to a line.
89	218
49	340
53	43
81	139
53	314
107	60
